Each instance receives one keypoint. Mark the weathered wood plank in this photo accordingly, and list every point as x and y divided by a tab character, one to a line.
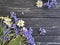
47	38
15	5
51	32
30	12
42	22
47	43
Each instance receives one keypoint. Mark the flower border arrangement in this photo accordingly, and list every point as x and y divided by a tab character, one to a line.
13	32
49	4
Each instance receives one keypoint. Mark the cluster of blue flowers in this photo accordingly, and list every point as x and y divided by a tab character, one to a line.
28	34
16	29
50	3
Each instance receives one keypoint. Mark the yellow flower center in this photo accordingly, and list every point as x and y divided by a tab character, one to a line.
20	23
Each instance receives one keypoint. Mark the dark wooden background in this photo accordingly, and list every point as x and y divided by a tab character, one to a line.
36	18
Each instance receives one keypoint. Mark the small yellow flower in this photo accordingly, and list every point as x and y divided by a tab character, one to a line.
8	23
39	3
7	19
20	23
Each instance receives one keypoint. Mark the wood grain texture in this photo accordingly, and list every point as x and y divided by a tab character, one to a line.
36	18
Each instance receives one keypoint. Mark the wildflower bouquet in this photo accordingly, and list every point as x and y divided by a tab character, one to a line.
13	32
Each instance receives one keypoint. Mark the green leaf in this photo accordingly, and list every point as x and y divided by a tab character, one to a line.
11	34
16	41
2	29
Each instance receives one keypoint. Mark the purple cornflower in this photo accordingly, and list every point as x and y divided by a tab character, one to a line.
30	30
31	41
16	32
28	36
42	31
13	14
16	29
16	19
13	25
50	3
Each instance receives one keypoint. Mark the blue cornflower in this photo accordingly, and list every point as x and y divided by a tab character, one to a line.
25	31
28	36
30	30
53	3
17	30
50	3
13	14
14	26
16	19
42	31
31	40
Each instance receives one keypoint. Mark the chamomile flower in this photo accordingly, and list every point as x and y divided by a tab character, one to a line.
7	19
8	23
20	23
39	3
